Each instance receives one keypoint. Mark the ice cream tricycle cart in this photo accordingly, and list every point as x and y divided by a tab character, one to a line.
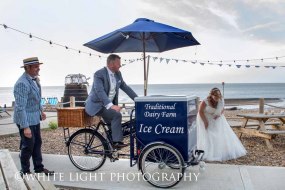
161	132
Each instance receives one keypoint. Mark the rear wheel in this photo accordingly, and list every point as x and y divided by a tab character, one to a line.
87	150
162	165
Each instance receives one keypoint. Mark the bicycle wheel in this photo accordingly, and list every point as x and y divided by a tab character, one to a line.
87	150
162	165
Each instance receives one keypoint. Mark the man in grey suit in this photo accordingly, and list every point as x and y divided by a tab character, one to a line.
27	115
103	98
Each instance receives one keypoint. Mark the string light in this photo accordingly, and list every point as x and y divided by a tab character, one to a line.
202	62
221	62
50	42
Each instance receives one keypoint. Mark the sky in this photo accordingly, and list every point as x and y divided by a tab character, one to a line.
226	29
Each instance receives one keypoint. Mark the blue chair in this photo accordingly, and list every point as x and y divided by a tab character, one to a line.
43	101
52	103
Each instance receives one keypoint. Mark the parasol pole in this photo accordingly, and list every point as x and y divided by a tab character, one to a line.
144	64
147	72
223	84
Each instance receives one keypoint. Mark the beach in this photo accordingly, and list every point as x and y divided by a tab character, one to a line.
234	93
249	101
257	152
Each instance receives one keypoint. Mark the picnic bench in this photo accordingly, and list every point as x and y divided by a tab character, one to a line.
261	127
253	125
3	110
11	179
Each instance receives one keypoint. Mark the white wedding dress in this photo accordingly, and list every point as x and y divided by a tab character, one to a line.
219	141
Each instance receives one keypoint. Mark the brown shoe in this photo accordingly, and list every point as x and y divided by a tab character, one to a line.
119	145
46	172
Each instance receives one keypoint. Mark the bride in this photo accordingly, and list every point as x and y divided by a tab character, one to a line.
215	135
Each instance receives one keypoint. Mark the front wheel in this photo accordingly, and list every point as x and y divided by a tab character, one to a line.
161	165
87	150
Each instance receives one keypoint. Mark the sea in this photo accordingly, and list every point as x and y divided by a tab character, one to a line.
229	90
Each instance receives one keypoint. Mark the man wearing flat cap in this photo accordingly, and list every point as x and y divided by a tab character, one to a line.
27	115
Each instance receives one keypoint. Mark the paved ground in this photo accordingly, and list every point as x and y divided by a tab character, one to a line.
119	175
8	127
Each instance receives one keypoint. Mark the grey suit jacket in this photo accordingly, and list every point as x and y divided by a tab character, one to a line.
98	97
28	108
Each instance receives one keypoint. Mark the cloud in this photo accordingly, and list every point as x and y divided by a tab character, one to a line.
198	14
248	19
261	20
227	30
227	17
261	26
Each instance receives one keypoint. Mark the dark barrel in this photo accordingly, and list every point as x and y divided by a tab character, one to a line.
79	91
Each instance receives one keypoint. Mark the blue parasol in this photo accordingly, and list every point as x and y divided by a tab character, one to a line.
143	35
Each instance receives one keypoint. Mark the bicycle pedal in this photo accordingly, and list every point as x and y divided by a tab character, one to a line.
194	163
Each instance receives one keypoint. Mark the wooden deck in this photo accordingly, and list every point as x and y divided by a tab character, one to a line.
11	179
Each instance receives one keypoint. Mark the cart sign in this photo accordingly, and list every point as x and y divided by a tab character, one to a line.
171	119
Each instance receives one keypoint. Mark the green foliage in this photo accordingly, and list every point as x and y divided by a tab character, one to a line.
52	125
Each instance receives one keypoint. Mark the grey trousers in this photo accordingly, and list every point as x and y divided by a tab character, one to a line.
114	118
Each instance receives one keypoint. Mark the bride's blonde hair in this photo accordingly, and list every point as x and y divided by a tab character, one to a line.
214	92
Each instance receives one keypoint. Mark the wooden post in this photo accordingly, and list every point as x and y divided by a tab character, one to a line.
61	101
261	105
223	84
197	103
72	101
